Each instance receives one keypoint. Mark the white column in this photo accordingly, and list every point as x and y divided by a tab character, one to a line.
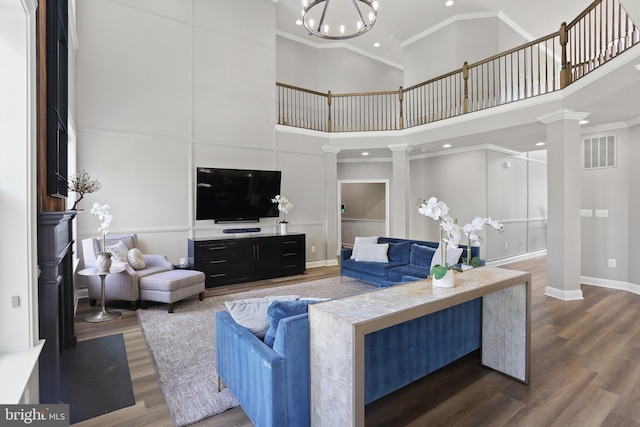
564	201
399	221
331	202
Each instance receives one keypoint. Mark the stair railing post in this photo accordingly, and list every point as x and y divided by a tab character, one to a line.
565	71
465	77
401	99
329	115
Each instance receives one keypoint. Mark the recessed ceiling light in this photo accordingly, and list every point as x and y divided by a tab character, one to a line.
299	22
446	146
449	3
365	153
584	122
540	144
376	44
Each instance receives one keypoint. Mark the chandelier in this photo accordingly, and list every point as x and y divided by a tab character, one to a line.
338	19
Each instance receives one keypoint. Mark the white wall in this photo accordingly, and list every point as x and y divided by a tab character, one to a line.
336	69
183	84
19	332
18	273
609	189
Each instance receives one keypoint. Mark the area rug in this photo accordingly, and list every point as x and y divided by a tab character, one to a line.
182	346
95	378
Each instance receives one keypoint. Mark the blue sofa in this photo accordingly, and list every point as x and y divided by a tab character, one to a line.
404	263
272	384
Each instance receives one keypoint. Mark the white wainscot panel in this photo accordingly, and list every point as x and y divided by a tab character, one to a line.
352	228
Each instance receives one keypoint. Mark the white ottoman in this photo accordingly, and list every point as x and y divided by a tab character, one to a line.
171	286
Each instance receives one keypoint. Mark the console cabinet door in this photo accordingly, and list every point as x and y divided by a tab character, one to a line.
281	255
228	261
218	260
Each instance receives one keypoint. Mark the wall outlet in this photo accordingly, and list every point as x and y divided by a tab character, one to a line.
612	262
313	249
506	245
586	213
602	213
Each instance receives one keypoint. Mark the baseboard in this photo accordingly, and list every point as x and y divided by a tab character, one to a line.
322	263
562	294
521	257
611	284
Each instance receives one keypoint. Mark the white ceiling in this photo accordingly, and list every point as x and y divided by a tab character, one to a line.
401	21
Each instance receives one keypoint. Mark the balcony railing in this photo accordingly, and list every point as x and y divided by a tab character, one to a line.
596	36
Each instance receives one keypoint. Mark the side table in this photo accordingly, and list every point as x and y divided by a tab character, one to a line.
104	314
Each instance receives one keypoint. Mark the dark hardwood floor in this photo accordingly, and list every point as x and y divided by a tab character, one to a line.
585	369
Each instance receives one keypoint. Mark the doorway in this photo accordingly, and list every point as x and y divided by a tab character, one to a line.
363	209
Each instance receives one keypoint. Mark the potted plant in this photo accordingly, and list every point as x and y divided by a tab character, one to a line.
471	230
442	273
81	183
284	206
103	212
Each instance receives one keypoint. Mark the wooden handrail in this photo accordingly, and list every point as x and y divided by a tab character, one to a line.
550	63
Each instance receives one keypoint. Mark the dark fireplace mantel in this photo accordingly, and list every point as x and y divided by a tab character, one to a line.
55	297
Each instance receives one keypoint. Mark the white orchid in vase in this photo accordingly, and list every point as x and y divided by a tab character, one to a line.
103	212
284	206
471	231
449	231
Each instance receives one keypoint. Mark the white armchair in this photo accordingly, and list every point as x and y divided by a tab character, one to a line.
124	286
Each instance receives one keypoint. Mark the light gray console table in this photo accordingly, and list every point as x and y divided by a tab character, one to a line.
337	359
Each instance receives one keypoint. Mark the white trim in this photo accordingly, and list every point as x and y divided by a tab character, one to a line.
387	202
338	45
521	257
321	263
604	128
562	114
633	122
466	17
610	284
365	160
72	25
562	294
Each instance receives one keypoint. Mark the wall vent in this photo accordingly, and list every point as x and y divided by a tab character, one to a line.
600	152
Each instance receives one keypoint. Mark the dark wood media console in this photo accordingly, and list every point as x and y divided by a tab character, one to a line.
227	261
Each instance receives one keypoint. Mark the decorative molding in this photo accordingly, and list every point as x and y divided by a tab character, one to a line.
467	17
633	122
370	160
331	149
337	45
563	114
400	147
563	295
604	128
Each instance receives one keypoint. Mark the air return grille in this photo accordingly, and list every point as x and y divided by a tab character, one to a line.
600	152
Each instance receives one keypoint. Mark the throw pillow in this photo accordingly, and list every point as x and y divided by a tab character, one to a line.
360	241
251	313
400	251
373	252
119	252
421	255
453	256
136	259
279	310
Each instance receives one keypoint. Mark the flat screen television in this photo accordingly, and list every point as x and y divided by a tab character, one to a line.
236	194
